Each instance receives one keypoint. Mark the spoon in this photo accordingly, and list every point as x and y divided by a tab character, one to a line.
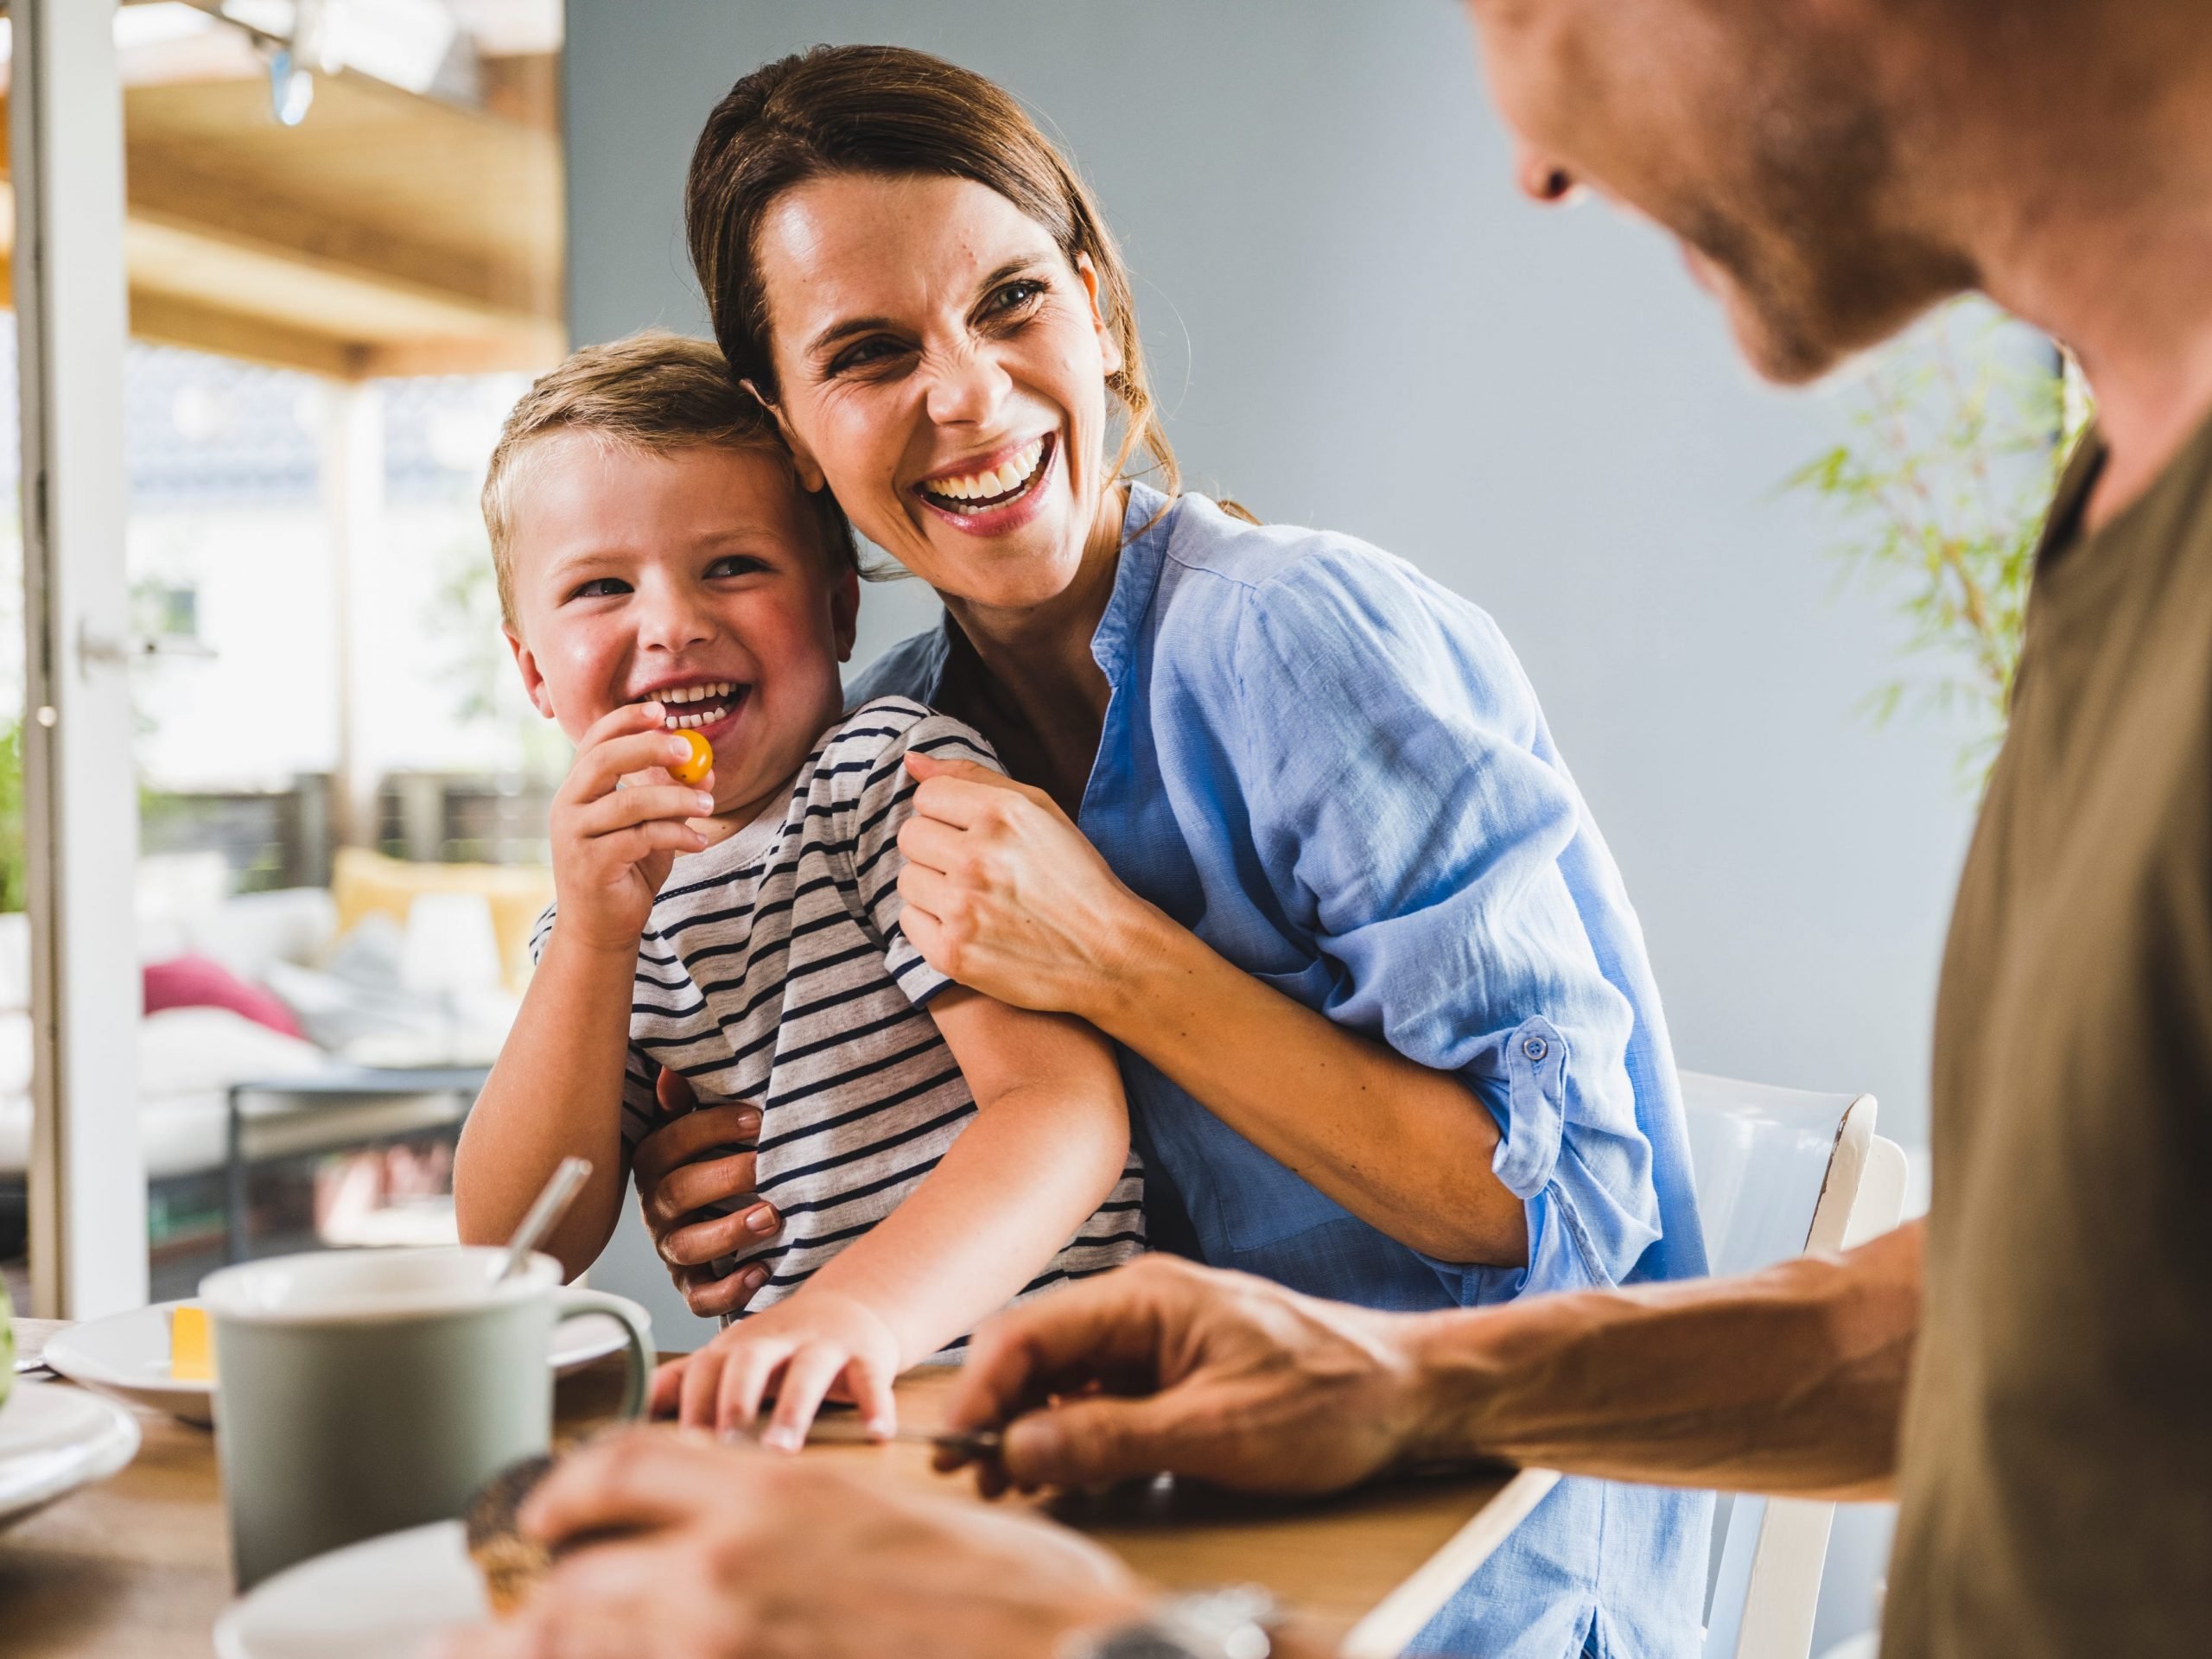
545	1209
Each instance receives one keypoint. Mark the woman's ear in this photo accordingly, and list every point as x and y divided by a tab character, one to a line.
1109	345
809	469
533	683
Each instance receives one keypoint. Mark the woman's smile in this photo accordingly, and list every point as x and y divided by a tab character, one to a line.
1003	493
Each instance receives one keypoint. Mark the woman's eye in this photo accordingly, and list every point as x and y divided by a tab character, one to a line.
601	587
870	353
1014	295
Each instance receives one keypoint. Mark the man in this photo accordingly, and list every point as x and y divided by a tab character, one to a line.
2031	1372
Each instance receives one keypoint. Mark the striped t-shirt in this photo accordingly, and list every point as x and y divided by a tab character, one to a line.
773	970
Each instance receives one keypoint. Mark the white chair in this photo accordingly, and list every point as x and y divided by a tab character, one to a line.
1779	1172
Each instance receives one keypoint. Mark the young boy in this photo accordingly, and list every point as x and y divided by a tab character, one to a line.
927	1154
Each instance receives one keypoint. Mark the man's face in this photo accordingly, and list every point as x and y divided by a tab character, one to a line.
1756	131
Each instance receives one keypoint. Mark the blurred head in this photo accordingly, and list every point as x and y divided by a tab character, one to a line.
652	541
923	292
1763	134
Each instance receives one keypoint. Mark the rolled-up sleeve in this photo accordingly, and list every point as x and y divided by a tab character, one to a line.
1408	823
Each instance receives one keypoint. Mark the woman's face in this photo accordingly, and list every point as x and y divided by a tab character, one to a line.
942	366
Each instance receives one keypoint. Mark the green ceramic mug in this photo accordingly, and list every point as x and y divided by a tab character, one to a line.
359	1392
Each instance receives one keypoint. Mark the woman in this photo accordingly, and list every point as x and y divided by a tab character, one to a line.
1288	824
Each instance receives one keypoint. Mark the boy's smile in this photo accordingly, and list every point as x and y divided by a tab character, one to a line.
688	577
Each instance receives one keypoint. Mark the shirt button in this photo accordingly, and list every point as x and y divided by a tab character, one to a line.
1535	1048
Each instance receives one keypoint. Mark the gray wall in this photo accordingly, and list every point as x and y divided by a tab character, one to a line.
1355	322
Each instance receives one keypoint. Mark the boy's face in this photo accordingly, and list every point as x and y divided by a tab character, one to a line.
693	574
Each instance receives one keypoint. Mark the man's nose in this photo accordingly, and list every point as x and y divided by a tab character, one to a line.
1544	180
966	389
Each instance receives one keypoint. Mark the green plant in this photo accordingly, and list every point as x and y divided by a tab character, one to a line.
1957	437
13	870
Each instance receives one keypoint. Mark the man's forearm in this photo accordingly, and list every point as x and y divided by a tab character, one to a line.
1790	1380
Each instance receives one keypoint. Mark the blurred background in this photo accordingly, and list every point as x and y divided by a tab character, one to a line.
344	250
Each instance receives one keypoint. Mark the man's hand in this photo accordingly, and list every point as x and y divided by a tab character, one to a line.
820	1344
1164	1366
677	1184
714	1552
613	845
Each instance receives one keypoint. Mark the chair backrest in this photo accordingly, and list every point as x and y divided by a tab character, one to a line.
1778	1173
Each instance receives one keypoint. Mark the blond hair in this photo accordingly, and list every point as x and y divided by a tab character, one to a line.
655	392
888	110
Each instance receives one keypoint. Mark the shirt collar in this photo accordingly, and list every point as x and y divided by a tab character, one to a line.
1148	527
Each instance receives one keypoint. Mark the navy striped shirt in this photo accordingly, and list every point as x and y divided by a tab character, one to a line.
773	970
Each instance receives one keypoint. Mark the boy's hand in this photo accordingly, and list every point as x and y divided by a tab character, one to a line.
820	1344
613	845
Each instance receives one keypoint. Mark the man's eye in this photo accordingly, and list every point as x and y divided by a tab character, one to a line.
601	587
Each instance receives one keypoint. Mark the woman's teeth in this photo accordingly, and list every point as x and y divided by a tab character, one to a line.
973	491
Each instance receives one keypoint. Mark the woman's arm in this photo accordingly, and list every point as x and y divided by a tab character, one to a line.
1050	1139
1006	895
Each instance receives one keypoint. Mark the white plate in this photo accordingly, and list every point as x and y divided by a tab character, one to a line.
53	1441
384	1599
127	1355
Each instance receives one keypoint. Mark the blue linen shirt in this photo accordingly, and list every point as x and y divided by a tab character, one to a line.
1335	773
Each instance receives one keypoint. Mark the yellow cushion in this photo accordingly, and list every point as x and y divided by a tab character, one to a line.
362	881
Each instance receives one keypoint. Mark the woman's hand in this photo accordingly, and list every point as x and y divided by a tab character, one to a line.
716	1551
818	1345
678	1182
1165	1367
1004	895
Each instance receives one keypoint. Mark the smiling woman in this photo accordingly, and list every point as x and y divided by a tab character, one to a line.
1284	819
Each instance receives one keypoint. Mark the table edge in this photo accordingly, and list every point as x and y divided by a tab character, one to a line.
1386	1628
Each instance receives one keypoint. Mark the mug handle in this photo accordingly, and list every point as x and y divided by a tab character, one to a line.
637	1335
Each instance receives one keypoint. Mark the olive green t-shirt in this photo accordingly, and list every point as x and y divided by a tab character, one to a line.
2057	1456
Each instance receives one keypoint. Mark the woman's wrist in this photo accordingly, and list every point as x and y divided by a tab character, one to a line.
1146	965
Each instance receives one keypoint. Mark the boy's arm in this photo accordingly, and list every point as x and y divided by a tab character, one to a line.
554	1093
1050	1139
557	1090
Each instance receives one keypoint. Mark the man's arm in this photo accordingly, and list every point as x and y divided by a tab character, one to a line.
1790	1381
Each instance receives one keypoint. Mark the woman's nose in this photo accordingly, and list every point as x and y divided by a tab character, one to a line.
967	390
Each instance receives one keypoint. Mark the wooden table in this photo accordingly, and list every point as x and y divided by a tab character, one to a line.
139	1567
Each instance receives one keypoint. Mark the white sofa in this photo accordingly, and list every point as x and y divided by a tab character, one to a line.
188	1058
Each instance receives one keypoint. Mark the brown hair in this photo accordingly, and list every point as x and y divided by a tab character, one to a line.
888	110
655	392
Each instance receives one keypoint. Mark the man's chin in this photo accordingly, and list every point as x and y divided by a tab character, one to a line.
1781	351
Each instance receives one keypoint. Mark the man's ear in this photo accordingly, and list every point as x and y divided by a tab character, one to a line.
810	470
533	682
1109	345
845	613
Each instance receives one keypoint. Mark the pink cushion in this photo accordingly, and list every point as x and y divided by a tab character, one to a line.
202	982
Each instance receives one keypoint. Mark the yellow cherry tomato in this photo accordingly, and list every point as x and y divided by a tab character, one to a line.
697	764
